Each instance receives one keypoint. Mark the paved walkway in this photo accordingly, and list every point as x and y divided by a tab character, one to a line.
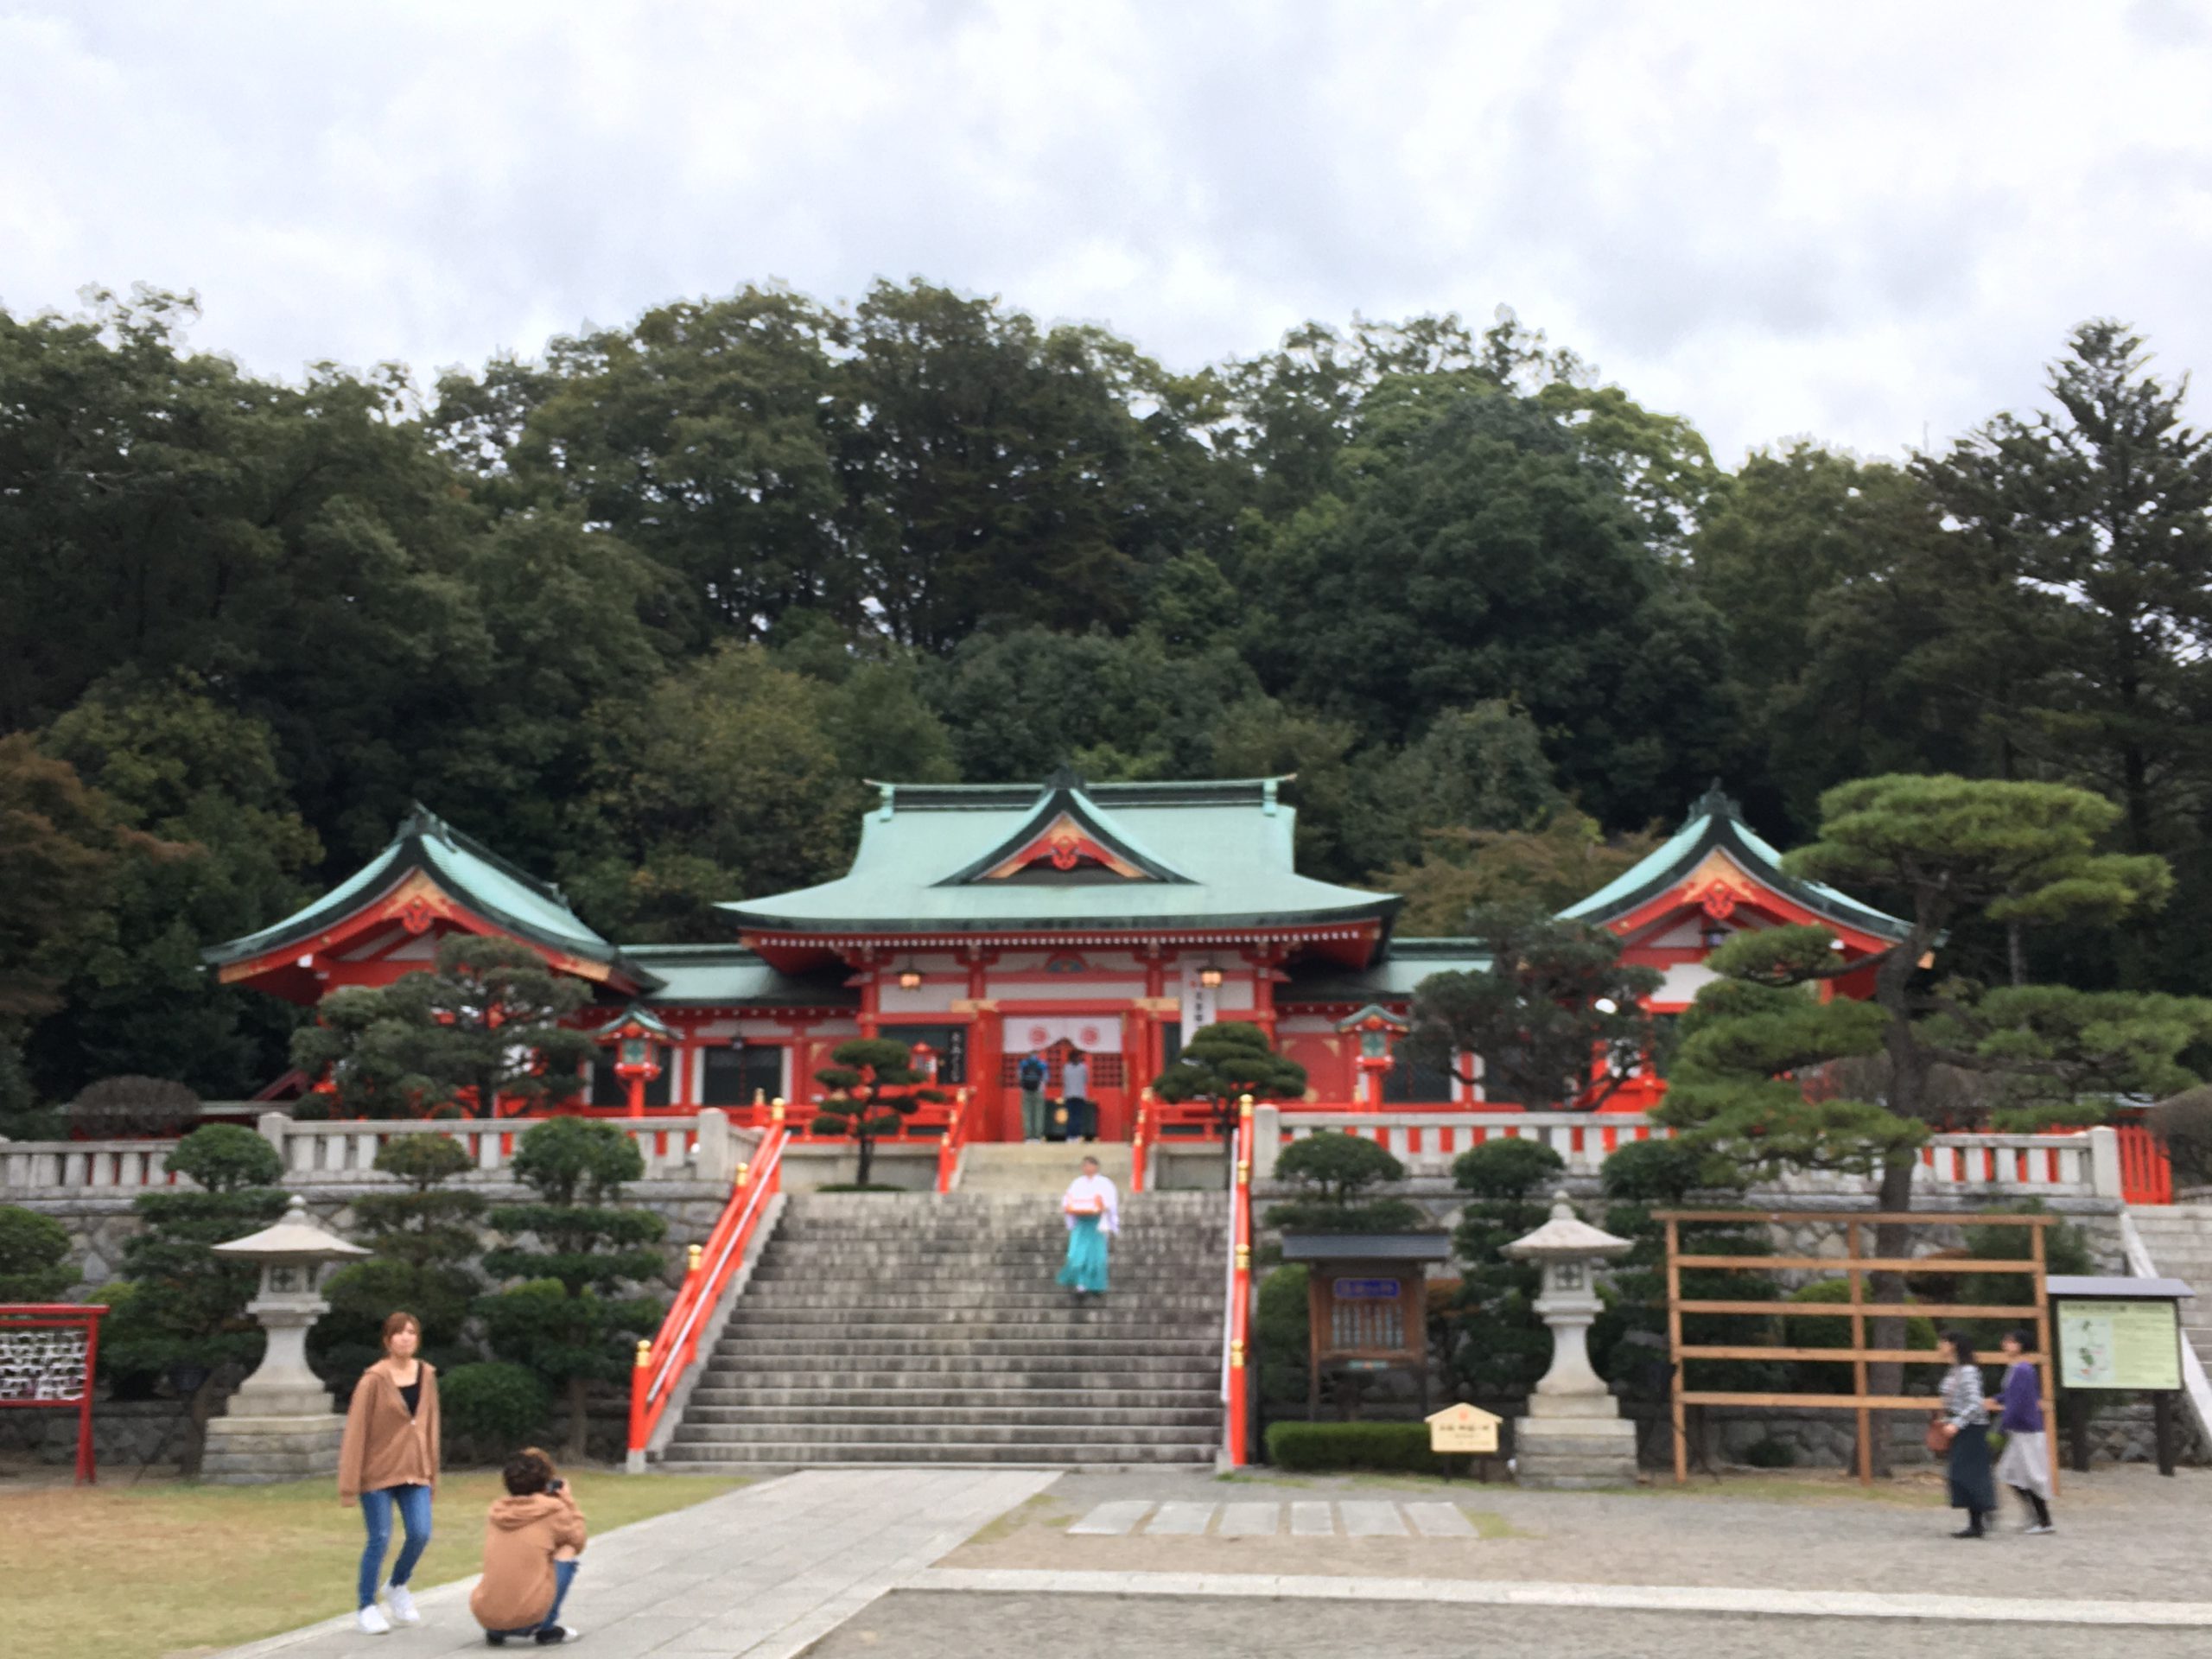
757	1574
1372	1519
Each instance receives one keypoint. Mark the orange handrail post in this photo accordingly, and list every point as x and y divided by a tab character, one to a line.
949	1148
662	1363
1137	1139
1235	1380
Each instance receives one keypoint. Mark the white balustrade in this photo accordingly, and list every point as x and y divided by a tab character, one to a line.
700	1147
1427	1142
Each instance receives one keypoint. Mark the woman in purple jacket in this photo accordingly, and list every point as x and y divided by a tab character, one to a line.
2025	1464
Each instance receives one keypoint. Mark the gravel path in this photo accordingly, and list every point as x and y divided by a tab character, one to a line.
917	1624
2123	1533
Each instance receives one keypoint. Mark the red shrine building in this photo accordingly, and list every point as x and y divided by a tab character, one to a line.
981	923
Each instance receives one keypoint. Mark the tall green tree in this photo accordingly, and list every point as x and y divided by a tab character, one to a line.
183	769
576	1252
479	1032
1556	1019
722	781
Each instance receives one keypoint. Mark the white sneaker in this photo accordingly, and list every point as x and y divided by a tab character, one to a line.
373	1622
400	1604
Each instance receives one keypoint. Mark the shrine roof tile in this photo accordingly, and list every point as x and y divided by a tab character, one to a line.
729	975
470	871
1394	978
1716	823
1215	854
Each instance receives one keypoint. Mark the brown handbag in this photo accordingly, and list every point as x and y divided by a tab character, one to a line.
1939	1436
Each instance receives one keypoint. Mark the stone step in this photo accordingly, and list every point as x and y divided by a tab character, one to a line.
1058	1371
877	1397
694	1439
901	1339
942	1412
709	1459
1179	1311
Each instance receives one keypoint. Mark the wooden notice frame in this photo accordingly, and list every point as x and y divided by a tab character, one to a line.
1854	1265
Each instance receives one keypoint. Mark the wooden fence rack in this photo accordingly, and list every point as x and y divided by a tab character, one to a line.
1854	1265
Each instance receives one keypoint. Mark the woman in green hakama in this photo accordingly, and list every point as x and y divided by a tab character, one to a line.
1092	1209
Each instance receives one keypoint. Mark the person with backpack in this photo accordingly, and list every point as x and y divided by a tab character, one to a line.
1033	1074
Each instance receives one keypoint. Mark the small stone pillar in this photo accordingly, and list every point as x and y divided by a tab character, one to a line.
1573	1436
280	1424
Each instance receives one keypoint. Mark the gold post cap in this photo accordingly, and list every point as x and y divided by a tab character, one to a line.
644	1353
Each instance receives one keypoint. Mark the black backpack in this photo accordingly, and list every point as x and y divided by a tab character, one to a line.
1033	1073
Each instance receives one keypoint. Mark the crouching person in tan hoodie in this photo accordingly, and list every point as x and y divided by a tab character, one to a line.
530	1544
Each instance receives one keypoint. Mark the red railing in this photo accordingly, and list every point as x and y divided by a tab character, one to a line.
955	1138
1140	1139
662	1362
1236	1327
2146	1173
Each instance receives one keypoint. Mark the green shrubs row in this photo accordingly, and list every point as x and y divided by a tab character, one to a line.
1315	1448
495	1406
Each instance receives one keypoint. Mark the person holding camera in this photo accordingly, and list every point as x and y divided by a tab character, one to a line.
531	1540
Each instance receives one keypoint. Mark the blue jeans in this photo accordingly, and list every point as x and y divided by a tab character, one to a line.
565	1574
414	1505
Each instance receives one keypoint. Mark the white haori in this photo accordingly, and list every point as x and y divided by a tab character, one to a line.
2024	1464
1089	1193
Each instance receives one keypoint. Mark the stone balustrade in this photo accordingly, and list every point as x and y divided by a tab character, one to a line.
2077	1164
692	1147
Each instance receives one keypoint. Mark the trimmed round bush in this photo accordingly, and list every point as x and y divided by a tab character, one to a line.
1506	1168
223	1158
33	1249
133	1106
494	1406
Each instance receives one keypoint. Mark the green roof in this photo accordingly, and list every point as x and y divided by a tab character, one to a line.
1716	822
1215	854
1394	978
719	975
463	867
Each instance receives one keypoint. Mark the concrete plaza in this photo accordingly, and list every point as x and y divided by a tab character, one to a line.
981	1564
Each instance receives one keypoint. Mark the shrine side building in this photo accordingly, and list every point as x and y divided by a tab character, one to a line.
981	922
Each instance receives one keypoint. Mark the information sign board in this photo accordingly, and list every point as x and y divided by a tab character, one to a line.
2119	1344
1463	1428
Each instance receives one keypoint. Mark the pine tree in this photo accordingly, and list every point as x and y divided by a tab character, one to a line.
573	1250
874	1089
424	1247
183	1312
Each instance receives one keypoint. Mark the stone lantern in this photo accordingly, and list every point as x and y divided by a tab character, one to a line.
280	1425
1573	1436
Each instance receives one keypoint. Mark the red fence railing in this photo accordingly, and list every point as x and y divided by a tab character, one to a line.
663	1361
2146	1173
1236	1326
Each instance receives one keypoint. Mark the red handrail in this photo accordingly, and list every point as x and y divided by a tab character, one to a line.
1137	1136
956	1138
662	1362
1237	1332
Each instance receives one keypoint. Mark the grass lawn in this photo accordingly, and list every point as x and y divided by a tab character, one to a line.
140	1571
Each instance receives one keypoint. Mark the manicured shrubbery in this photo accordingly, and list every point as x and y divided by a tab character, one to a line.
1333	1171
1400	1448
495	1408
34	1249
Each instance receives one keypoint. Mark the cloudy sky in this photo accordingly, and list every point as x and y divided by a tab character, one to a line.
1860	222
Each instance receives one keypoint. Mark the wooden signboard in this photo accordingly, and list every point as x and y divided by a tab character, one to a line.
2119	1345
1463	1429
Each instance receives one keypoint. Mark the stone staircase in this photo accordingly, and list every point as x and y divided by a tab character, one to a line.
2179	1239
919	1328
1044	1169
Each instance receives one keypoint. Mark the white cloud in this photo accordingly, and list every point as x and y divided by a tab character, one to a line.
1777	220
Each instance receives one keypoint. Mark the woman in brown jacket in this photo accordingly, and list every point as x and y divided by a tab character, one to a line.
388	1460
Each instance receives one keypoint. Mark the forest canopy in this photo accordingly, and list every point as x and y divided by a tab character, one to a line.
644	610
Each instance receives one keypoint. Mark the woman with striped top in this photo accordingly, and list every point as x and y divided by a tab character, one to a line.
1965	1421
